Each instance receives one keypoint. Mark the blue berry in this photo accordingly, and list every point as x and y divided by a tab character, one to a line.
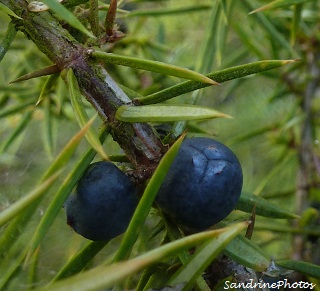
103	203
202	185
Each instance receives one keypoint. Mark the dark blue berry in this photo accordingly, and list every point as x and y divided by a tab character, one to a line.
202	186
103	203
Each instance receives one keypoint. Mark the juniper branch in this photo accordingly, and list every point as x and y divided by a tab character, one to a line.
138	140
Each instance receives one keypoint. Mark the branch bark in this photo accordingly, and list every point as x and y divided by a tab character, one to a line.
138	140
306	151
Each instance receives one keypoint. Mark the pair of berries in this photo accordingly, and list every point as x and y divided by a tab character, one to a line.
201	188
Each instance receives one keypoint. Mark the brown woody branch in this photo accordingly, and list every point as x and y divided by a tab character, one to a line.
138	140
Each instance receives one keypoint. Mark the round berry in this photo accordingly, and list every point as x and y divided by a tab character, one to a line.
202	185
103	203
